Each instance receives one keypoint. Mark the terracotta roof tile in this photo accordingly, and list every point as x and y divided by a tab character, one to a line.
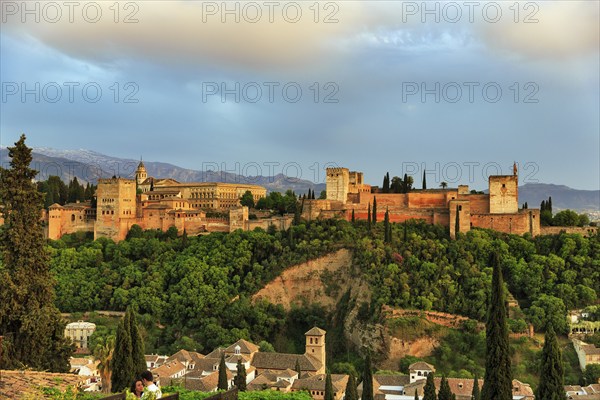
18	384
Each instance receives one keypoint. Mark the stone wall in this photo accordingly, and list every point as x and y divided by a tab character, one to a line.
69	219
525	221
582	230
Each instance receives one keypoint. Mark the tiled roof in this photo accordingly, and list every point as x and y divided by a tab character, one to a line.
246	347
317	382
421	365
208	383
391	380
260	381
590	349
459	386
20	384
284	361
186	356
169	369
315	332
216	353
206	364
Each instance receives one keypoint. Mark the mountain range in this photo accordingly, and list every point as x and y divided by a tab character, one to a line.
89	166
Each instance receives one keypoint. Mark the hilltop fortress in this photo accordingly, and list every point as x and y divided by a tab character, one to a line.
155	203
451	207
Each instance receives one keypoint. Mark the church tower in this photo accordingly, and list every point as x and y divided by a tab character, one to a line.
140	173
315	346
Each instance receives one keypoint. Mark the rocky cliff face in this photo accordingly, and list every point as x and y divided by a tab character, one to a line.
324	280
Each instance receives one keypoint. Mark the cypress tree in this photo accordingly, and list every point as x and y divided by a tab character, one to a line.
298	369
457	223
497	384
416	395
328	387
353	216
386	183
240	379
367	393
137	346
30	323
424	180
552	370
369	216
351	393
429	390
475	395
123	371
223	385
549	204
386	226
543	206
445	393
374	210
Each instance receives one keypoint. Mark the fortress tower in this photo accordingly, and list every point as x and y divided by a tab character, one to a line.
315	346
116	208
504	193
338	180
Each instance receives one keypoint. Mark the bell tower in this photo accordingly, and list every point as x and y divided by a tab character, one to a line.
315	346
140	173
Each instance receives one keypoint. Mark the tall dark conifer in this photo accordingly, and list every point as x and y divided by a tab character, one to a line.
30	323
369	216
240	378
552	370
123	369
424	180
497	384
351	393
445	393
386	183
328	387
386	226
475	395
223	381
367	393
457	223
374	210
137	345
429	390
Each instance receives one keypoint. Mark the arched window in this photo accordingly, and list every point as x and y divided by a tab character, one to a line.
72	217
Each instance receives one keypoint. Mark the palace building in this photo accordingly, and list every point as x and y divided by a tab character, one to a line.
156	204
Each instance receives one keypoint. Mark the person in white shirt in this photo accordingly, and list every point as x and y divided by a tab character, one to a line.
151	392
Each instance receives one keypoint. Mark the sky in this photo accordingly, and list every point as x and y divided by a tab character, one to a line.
459	89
